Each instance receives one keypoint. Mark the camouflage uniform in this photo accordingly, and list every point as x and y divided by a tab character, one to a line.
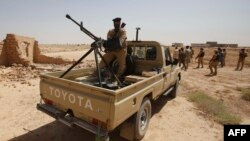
188	56
192	54
241	60
214	63
182	59
224	59
200	57
176	56
221	57
119	54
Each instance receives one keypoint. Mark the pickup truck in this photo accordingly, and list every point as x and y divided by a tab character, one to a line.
75	100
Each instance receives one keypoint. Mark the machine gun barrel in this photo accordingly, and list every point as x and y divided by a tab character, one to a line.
91	35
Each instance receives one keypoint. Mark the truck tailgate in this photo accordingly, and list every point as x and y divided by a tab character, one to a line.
86	102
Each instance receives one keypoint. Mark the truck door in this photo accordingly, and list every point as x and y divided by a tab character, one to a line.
167	76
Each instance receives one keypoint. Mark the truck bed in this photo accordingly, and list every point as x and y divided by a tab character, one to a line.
92	103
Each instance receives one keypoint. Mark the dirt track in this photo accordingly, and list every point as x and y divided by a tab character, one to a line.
176	119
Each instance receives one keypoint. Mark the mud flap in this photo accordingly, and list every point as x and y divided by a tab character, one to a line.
127	130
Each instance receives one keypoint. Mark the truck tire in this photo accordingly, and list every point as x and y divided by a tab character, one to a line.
173	94
142	118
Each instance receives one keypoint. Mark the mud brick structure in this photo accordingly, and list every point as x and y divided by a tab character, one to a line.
24	50
2	55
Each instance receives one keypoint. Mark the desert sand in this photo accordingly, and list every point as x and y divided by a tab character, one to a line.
175	120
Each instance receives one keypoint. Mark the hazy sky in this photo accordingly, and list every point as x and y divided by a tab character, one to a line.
187	21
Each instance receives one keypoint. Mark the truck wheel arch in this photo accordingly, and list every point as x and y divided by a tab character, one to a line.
149	96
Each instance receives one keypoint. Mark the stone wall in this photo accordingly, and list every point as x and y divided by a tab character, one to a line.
24	50
18	49
2	55
39	58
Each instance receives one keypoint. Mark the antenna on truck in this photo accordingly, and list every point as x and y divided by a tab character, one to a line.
137	33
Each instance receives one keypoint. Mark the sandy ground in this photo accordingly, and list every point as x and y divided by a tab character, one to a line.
174	120
72	55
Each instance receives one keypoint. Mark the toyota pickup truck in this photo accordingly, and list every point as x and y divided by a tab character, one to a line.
75	100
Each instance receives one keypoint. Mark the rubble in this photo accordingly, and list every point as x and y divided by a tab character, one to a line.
18	73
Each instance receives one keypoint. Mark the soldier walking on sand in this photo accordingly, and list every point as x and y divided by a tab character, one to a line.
179	58
224	56
200	57
213	63
241	60
221	56
192	53
188	56
176	55
182	58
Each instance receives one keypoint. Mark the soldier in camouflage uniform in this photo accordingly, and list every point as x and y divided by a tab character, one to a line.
188	56
241	60
176	55
224	55
221	56
213	63
182	59
192	53
200	57
120	53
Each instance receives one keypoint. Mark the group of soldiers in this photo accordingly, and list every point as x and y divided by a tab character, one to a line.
217	59
184	57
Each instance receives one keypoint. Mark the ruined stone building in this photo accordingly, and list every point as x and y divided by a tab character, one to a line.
24	50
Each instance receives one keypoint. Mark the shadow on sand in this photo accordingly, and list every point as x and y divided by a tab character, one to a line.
56	131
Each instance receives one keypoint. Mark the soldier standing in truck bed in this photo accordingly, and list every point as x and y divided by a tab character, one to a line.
241	60
119	52
213	63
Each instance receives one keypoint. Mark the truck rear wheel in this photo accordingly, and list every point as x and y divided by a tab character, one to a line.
142	119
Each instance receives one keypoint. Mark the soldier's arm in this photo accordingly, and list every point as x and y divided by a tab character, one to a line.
212	59
198	55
